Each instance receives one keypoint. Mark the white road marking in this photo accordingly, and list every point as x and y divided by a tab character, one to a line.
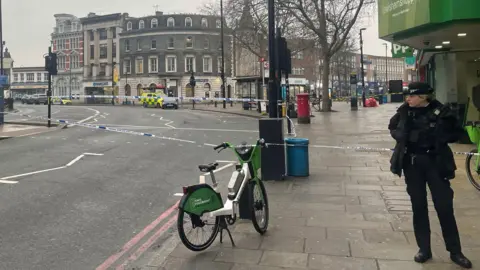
8	182
103	116
88	118
226	161
31	173
178	194
169	125
152	114
49	170
209	144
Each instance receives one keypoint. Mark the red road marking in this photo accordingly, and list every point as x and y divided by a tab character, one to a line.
137	238
149	243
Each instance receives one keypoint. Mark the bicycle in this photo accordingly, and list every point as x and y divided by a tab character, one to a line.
201	201
473	130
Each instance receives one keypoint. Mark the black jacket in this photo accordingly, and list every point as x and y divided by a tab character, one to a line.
446	127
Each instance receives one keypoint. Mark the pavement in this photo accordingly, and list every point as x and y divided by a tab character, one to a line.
84	198
350	213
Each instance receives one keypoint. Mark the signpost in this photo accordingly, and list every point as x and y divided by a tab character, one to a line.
353	91
3	84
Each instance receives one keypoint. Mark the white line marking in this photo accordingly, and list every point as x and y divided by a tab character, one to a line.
103	116
74	160
88	118
208	144
161	118
169	125
225	161
31	173
152	114
178	194
53	169
8	182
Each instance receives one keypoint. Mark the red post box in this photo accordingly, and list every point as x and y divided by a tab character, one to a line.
303	105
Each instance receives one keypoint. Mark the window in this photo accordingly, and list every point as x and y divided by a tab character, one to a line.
15	77
30	77
39	77
61	28
219	64
189	63
189	42
127	66
207	64
22	77
141	24
114	49
206	43
127	45
204	22
188	22
154	44
129	26
170	22
218	23
171	63
154	23
171	43
74	26
103	34
153	67
92	51
103	70
45	77
299	55
139	65
103	51
139	45
75	61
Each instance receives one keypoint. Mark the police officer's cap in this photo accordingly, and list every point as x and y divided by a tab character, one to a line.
418	88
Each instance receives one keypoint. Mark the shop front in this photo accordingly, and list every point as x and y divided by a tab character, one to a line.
445	34
99	88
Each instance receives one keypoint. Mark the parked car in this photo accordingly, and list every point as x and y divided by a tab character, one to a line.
26	99
40	99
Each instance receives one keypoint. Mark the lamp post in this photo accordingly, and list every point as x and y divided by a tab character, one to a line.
386	67
361	62
1	40
223	55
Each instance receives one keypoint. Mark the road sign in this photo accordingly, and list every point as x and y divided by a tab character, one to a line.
265	64
3	80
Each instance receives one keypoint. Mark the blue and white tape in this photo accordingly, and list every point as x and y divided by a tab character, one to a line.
73	97
125	131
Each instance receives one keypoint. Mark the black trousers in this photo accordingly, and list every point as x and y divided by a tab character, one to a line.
420	170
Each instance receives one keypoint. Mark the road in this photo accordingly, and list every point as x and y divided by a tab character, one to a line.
78	216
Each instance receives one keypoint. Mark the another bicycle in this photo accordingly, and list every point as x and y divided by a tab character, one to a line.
201	202
473	170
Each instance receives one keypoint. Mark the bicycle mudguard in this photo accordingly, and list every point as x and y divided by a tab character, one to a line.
200	199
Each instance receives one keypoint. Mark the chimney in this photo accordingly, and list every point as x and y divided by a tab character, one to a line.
158	13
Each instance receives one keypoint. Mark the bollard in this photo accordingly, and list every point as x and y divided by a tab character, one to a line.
215	103
231	103
193	104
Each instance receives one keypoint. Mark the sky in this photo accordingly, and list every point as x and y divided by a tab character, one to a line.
28	24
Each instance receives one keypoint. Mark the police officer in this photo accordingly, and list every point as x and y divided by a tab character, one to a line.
422	128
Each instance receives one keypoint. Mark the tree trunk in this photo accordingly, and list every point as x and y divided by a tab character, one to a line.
325	76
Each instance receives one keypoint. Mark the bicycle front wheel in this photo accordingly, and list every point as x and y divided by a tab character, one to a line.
196	232
472	168
259	206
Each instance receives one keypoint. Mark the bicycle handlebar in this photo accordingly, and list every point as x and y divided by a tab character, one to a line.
224	145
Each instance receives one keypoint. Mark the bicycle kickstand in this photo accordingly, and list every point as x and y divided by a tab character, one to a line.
224	226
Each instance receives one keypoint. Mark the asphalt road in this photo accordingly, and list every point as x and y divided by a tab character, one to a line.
78	216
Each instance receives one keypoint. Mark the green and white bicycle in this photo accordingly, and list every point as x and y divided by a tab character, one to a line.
202	208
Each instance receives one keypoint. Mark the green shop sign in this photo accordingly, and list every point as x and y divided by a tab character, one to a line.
400	51
398	15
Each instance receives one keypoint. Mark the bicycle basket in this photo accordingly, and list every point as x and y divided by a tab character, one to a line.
473	133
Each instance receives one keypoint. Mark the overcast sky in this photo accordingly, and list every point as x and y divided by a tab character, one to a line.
27	24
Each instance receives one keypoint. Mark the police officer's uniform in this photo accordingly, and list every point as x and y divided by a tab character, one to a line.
422	152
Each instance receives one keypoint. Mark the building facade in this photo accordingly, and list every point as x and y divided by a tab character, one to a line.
28	81
163	49
67	38
101	52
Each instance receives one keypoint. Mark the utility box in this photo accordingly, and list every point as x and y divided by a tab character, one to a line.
273	156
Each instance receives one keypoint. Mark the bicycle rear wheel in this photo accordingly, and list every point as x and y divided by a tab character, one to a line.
473	170
198	225
259	206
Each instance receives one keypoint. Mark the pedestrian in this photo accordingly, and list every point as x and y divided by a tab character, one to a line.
422	128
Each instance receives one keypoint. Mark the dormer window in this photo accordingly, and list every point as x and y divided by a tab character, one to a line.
170	22
204	22
129	26
141	24
154	23
218	23
188	22
189	42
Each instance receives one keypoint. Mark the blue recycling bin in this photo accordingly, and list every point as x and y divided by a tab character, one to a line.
385	99
297	157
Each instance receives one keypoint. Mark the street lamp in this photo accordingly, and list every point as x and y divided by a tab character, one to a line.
223	55
386	67
1	40
361	62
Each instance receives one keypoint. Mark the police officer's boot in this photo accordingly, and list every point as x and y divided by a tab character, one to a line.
423	256
461	260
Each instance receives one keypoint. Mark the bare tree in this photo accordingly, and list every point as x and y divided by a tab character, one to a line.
331	21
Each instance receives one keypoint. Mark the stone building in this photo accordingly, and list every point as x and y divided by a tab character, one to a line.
67	39
164	49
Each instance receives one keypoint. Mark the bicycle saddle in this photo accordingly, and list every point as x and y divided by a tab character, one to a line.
208	167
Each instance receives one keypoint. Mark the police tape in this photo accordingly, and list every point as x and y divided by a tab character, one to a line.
267	144
73	97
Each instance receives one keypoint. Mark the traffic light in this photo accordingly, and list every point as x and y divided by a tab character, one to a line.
284	55
51	63
262	59
192	79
